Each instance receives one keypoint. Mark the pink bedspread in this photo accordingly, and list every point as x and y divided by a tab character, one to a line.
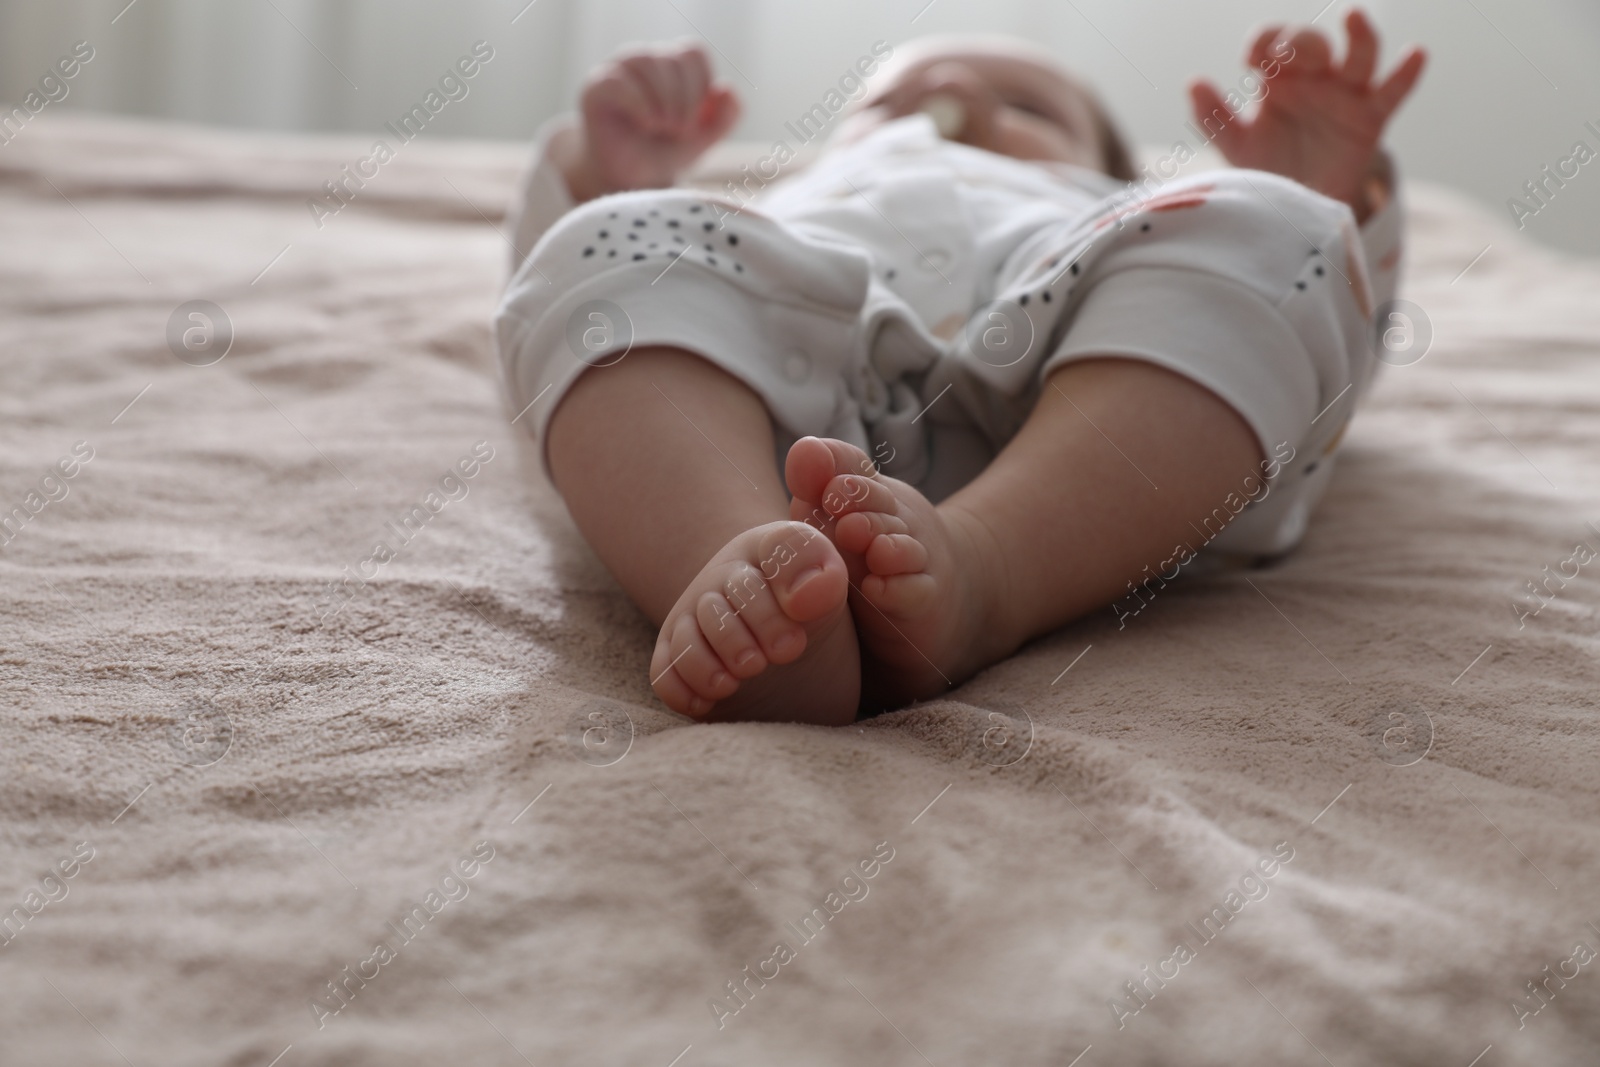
442	819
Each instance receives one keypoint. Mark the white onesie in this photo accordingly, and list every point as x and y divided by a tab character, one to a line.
908	294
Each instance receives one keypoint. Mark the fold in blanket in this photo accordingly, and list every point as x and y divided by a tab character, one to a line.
250	793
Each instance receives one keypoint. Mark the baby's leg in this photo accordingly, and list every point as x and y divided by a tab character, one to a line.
1119	463
666	464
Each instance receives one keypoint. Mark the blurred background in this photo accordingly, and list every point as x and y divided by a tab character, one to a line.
1509	90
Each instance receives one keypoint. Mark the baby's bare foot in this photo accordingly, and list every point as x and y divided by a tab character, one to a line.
916	575
763	632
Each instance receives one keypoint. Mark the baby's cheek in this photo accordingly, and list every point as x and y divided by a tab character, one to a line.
1024	136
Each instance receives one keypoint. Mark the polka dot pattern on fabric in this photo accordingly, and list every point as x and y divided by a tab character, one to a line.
643	225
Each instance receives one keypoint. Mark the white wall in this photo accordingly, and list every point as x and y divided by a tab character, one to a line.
1510	86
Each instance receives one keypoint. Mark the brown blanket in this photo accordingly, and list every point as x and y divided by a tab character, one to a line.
268	790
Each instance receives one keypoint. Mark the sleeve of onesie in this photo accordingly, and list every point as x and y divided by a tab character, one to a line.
1382	233
542	196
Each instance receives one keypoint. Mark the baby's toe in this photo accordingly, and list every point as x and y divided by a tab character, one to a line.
730	638
780	638
901	594
805	571
674	691
808	469
849	493
856	531
686	658
813	462
896	553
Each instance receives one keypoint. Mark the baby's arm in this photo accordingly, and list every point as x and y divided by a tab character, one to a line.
644	117
1321	122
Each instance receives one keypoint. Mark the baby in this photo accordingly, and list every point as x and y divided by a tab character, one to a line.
957	381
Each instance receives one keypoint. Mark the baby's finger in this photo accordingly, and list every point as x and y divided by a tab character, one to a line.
638	73
1211	111
1398	86
618	93
1362	59
1260	53
696	74
690	90
718	113
667	80
1311	53
645	70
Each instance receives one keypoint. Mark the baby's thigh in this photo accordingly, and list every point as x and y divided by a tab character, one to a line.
674	270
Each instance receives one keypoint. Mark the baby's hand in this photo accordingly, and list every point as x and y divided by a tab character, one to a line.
1320	122
647	115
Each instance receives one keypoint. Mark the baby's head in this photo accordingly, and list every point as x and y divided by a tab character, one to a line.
998	94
